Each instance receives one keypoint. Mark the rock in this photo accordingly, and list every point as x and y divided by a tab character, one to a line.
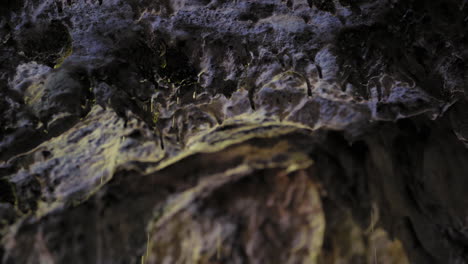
61	99
233	131
44	41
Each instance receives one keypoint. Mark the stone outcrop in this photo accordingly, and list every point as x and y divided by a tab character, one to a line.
235	131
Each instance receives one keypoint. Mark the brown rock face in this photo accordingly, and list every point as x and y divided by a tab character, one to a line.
298	131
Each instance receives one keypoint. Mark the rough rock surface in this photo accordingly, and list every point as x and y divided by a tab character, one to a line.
212	131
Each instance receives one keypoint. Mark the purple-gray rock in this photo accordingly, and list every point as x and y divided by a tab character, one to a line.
190	131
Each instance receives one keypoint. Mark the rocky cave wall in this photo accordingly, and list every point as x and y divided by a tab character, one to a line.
213	131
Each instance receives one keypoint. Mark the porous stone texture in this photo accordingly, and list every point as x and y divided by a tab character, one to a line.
212	131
